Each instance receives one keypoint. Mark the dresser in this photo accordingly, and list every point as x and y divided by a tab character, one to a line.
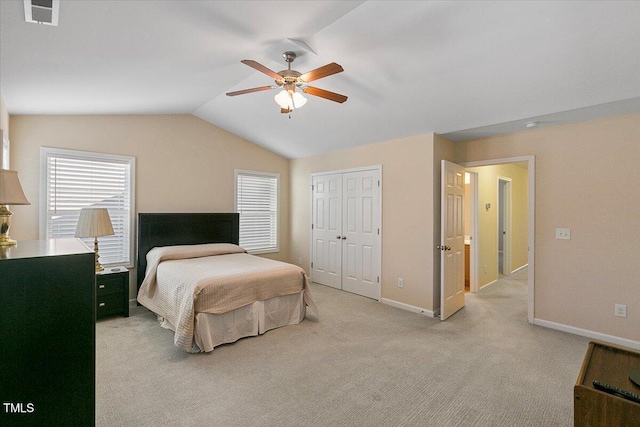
47	333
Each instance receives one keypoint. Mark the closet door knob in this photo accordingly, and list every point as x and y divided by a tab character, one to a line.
344	237
338	237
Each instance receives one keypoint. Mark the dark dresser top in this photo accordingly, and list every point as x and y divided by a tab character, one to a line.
43	248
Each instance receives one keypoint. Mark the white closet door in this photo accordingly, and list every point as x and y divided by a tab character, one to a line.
360	227
327	230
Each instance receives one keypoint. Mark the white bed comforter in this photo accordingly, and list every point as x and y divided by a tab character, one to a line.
215	278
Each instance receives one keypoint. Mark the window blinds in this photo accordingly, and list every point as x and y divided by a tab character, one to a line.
75	181
257	204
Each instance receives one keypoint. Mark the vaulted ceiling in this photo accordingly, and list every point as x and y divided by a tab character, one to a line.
460	68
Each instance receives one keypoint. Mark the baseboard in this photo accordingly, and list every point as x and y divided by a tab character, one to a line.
589	334
519	268
407	307
488	284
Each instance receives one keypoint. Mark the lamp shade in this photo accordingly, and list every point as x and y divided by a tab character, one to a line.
94	222
283	99
10	189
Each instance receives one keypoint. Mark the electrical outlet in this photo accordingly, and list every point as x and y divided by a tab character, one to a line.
563	233
400	282
620	310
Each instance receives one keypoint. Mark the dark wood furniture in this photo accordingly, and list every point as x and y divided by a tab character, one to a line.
47	333
112	292
608	364
168	229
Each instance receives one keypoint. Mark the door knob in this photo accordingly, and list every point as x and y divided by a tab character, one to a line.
344	237
338	237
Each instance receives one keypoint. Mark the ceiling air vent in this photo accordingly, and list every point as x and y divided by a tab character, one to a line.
42	11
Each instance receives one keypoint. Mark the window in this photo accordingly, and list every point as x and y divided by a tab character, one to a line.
257	204
71	180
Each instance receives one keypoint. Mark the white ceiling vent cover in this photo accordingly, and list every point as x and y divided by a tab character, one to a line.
42	11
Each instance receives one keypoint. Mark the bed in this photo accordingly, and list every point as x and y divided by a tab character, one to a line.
203	286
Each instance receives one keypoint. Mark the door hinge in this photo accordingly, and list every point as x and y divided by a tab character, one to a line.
312	265
378	279
313	187
378	231
378	183
312	226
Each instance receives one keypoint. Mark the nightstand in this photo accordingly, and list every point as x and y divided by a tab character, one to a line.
112	292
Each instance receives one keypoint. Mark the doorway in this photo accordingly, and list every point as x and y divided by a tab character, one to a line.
485	205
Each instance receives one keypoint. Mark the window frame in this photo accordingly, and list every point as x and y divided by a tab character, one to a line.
46	152
237	172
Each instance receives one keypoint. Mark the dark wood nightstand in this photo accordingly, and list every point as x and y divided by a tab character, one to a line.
112	292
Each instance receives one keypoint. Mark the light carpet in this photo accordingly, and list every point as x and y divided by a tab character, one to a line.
360	363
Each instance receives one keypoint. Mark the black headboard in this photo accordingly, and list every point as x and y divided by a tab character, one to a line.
168	229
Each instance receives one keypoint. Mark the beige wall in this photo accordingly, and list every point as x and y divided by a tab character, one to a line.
488	219
183	164
579	171
407	211
586	180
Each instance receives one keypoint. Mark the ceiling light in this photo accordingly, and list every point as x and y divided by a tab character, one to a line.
284	100
530	125
290	99
298	100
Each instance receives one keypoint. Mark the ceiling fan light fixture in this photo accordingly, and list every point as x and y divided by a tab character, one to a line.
289	100
298	100
284	100
291	80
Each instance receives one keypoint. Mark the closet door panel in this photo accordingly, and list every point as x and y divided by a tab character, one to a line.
361	198
327	228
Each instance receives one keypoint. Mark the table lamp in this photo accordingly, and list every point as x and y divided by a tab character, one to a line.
10	194
94	222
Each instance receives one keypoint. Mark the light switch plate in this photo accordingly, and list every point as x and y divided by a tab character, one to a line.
563	233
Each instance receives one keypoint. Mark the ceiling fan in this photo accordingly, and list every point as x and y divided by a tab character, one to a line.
291	80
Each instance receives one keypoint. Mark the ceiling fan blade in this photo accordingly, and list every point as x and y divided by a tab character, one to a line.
255	89
321	72
253	64
332	96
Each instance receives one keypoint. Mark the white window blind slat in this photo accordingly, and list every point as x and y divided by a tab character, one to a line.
75	180
257	204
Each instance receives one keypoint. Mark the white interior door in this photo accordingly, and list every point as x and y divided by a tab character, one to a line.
360	228
452	240
327	230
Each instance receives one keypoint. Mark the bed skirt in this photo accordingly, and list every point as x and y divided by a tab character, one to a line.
254	319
